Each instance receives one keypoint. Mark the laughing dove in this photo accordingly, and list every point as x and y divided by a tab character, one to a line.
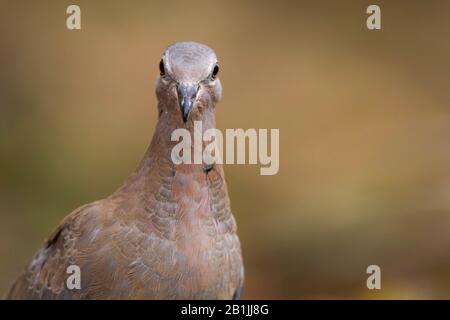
168	232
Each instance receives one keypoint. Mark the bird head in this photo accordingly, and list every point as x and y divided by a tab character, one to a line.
188	84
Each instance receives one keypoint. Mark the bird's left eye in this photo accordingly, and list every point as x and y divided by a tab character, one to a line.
215	71
162	71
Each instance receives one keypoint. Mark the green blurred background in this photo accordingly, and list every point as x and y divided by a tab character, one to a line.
364	121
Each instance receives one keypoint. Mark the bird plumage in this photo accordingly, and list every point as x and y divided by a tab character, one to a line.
168	232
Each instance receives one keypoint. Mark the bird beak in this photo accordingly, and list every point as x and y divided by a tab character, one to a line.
186	97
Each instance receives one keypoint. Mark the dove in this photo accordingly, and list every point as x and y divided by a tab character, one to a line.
168	232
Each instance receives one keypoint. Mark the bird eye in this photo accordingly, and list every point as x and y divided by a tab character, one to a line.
162	71
215	71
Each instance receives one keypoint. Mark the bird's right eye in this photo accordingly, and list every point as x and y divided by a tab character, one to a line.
162	71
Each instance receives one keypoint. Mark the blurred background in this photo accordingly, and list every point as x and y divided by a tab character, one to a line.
364	121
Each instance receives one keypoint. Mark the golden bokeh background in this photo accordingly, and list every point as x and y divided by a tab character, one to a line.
364	119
